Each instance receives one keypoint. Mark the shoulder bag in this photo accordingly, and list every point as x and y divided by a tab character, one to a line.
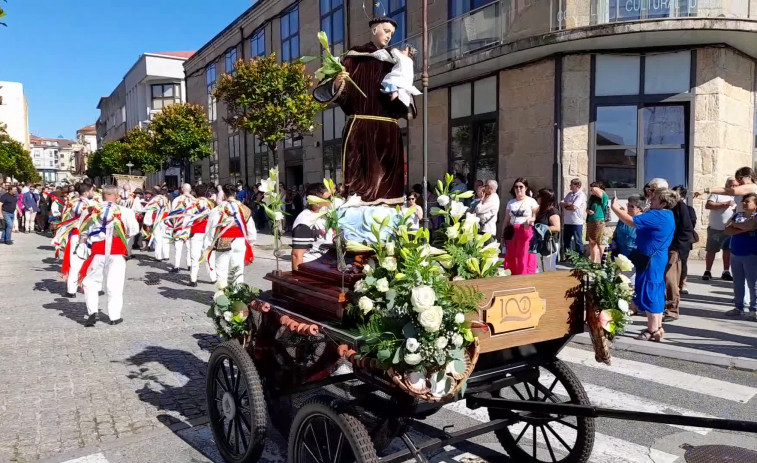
640	260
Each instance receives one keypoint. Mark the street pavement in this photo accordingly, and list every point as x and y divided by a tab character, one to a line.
135	392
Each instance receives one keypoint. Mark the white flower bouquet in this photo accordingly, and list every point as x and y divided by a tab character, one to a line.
608	295
230	310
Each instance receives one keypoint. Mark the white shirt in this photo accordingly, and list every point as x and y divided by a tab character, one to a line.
487	212
577	216
719	217
415	221
521	211
214	219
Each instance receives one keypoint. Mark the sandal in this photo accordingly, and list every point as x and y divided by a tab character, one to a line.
657	335
645	335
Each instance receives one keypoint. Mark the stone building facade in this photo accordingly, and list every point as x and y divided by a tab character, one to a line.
549	90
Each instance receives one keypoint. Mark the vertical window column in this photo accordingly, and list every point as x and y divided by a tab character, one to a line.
290	35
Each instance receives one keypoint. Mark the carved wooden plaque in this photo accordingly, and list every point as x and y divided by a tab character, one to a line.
513	310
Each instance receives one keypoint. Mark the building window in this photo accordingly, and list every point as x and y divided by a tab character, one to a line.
234	156
257	44
332	22
164	95
197	172
229	60
474	130
333	126
214	160
293	141
210	85
290	35
397	11
641	118
624	10
260	154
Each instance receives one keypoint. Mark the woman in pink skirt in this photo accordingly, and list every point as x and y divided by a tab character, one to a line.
521	213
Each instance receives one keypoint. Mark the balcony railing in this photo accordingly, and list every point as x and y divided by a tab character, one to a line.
505	21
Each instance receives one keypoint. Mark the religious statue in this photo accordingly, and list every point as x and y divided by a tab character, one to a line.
372	150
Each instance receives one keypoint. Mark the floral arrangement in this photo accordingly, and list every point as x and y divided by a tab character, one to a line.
330	65
230	309
608	297
410	314
273	204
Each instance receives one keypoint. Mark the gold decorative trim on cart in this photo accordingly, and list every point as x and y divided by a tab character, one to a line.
513	310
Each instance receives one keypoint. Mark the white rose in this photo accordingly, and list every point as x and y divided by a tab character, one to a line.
218	311
625	282
623	263
441	342
368	268
390	248
413	359
443	200
389	263
459	318
623	305
457	209
382	285
360	286
431	319
228	316
391	295
412	344
452	233
218	294
365	304
457	340
422	296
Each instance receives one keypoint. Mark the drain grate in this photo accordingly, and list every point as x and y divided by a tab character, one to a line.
718	454
152	281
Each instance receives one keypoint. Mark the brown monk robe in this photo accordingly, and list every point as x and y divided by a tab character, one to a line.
372	150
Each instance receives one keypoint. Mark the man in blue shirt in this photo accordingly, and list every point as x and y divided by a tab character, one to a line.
241	192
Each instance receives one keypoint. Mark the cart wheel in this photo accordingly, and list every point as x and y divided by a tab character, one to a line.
549	438
235	404
322	434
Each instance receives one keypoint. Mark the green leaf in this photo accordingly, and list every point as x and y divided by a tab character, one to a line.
383	355
465	195
398	355
457	354
211	313
440	375
459	366
222	301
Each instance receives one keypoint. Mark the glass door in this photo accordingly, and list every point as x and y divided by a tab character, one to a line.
664	140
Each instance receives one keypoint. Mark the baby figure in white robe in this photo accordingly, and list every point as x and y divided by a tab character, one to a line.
399	82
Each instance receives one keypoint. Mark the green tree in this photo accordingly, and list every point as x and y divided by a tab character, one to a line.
181	133
15	161
140	150
108	160
269	99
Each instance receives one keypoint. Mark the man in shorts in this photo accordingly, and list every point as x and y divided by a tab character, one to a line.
721	209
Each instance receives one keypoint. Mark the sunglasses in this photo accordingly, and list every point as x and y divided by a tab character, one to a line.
519	187
411	199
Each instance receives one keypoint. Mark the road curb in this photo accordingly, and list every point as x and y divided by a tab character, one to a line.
661	350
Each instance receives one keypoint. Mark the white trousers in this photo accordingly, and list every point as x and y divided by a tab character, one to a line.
114	267
195	254
160	242
29	220
72	281
178	246
231	263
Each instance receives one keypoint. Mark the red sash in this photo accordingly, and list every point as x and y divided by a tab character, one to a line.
65	267
117	248
199	227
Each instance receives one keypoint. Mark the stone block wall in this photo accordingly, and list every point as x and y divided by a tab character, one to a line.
723	121
526	125
576	111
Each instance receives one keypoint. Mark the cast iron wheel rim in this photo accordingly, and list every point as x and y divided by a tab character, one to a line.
321	440
234	406
548	438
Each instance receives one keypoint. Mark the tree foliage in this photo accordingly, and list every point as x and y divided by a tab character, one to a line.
181	132
269	99
140	149
108	160
15	161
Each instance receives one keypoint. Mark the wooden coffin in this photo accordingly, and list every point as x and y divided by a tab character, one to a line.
526	309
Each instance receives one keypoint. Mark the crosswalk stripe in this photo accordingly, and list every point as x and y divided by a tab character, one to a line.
610	398
94	458
678	379
607	449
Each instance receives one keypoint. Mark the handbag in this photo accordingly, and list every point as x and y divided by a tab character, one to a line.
508	233
640	260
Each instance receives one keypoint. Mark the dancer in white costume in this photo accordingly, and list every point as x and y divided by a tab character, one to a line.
156	212
198	226
66	238
106	232
177	225
231	233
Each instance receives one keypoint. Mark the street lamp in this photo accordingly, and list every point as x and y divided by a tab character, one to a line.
129	165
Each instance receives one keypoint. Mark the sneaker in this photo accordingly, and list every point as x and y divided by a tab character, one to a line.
115	322
174	270
726	276
91	320
684	290
193	284
707	275
734	313
749	316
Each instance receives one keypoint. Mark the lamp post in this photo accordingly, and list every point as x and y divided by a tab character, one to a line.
129	165
424	83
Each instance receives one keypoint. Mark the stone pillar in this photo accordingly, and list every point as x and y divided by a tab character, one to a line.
577	13
576	89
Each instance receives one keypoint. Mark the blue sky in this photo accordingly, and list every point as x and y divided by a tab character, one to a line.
70	53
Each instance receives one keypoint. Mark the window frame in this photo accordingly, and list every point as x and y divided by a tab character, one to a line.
330	145
176	98
257	38
235	155
474	122
643	100
286	40
213	161
210	85
229	58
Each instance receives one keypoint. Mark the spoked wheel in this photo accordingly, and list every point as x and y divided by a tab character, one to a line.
235	404
548	438
321	434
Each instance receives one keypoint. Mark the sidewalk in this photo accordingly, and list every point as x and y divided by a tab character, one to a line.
702	334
